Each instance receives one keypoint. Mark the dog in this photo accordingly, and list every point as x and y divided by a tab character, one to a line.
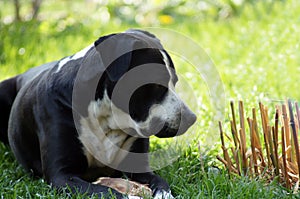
91	114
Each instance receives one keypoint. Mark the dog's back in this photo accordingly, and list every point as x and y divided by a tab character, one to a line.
8	91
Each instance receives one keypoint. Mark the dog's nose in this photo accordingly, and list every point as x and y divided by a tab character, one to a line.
188	118
191	119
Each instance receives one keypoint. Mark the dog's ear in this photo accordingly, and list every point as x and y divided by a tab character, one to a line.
119	67
146	33
116	50
150	38
103	38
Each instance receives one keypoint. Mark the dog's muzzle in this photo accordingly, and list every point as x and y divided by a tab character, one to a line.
186	119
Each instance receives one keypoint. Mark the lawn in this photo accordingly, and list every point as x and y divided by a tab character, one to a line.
255	52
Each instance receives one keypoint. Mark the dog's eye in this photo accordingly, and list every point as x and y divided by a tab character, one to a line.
143	98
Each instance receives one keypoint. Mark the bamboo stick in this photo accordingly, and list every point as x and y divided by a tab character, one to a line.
298	113
233	116
275	140
265	131
275	143
286	130
272	154
234	135
226	163
237	159
258	146
225	152
295	135
285	173
255	125
243	138
253	144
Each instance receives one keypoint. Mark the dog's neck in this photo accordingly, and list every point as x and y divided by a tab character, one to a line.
104	143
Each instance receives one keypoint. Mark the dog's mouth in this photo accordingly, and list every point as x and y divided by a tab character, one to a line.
168	131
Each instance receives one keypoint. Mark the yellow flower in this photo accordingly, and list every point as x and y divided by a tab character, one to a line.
166	19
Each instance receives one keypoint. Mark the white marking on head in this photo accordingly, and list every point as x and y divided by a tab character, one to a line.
167	64
169	109
76	56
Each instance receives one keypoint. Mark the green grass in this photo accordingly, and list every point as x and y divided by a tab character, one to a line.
257	55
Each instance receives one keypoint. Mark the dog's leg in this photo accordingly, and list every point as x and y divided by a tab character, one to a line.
7	96
77	185
159	186
44	140
63	159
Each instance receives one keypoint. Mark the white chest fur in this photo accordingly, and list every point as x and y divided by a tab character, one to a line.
105	144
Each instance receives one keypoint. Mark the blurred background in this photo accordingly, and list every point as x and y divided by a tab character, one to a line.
133	12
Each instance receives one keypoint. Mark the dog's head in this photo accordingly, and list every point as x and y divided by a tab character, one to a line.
139	80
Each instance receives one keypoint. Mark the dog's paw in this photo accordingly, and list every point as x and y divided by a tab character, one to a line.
134	197
162	194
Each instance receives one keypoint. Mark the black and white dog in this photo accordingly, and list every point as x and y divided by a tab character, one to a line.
91	114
